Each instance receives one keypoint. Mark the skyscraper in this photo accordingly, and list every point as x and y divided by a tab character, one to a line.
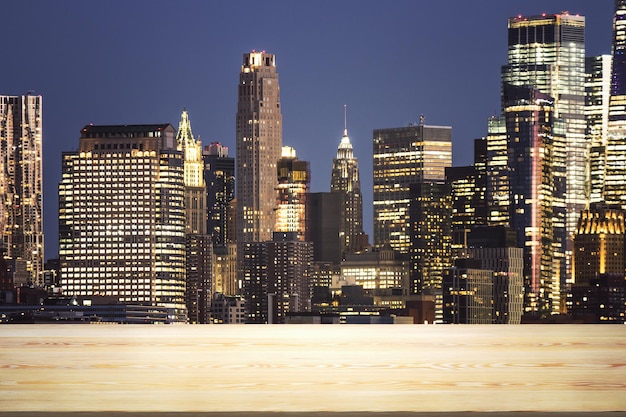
21	183
404	156
219	176
122	216
548	52
597	95
276	277
259	143
536	160
345	181
198	244
195	189
430	216
614	191
294	177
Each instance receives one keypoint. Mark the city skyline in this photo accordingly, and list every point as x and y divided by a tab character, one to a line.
112	65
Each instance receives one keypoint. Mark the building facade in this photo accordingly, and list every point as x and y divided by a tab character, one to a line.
614	190
21	186
548	52
431	236
325	230
537	181
276	278
198	244
599	244
597	96
468	293
404	156
345	182
219	177
122	217
294	178
259	143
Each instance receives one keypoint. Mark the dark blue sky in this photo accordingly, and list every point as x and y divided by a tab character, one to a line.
143	61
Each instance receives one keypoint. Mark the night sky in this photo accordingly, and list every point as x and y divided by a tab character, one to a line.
140	61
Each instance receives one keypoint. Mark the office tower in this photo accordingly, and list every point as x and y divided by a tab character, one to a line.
21	183
345	181
198	243
614	191
199	277
471	295
598	292
495	247
597	94
122	216
599	244
276	277
195	189
219	177
430	213
259	143
497	171
468	293
404	156
548	52
468	191
294	177
378	269
325	226
536	160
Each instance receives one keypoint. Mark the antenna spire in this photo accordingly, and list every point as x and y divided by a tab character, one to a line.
345	120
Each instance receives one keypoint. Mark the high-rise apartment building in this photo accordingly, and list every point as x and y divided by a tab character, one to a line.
548	53
259	144
614	191
404	156
345	181
21	186
597	95
536	160
276	277
294	177
122	216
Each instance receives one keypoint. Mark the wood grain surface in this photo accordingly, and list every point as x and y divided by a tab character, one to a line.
312	368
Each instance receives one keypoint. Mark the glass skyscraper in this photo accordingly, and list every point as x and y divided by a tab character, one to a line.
597	97
405	156
536	160
548	53
614	191
21	187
